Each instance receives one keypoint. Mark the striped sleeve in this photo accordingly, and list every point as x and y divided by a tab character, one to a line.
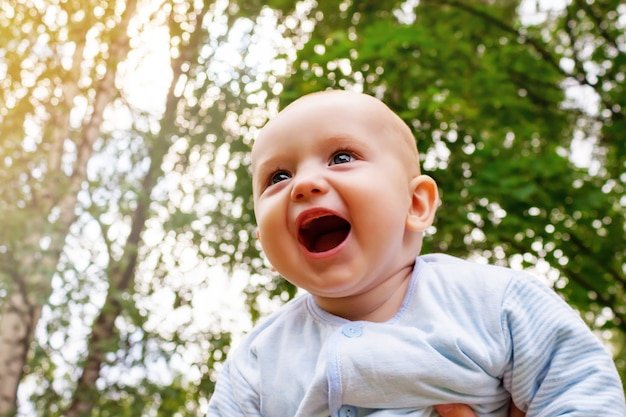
233	396
558	366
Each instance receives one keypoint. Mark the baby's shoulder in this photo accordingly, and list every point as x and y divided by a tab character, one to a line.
454	280
449	268
273	330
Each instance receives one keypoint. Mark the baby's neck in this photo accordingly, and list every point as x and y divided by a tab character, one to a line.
378	304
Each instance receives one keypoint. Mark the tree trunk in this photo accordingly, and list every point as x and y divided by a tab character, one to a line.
17	324
122	273
30	286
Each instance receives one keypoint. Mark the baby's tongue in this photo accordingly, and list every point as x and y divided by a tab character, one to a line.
329	240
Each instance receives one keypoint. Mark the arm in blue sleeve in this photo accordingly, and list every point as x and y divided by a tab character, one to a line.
558	366
233	396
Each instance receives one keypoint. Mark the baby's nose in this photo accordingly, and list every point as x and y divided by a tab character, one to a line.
308	185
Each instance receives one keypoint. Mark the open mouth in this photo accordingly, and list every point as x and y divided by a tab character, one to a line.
323	233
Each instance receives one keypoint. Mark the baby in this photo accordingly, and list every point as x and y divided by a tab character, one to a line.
341	208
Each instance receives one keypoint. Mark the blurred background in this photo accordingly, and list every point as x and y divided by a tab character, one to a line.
128	262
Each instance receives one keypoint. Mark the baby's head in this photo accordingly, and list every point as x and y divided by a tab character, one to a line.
344	104
339	199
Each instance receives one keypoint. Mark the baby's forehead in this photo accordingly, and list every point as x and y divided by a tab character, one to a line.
338	113
334	110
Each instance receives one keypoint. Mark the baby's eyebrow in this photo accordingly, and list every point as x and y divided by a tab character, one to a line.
260	170
261	165
341	139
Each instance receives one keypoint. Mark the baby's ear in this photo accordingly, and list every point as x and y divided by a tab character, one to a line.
424	201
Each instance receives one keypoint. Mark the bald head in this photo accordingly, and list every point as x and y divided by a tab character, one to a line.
335	111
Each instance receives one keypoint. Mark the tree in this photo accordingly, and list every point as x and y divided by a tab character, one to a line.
86	166
43	80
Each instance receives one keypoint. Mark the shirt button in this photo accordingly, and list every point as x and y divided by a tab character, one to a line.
352	330
347	411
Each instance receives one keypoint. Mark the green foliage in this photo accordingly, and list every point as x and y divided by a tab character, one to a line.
80	184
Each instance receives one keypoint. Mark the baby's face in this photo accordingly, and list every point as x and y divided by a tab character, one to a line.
332	192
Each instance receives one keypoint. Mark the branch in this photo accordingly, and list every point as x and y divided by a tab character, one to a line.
60	116
543	52
598	23
615	275
581	73
606	300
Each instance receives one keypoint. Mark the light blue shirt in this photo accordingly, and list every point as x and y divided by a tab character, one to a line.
466	333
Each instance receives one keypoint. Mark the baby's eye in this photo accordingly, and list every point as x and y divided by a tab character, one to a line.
341	158
279	176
